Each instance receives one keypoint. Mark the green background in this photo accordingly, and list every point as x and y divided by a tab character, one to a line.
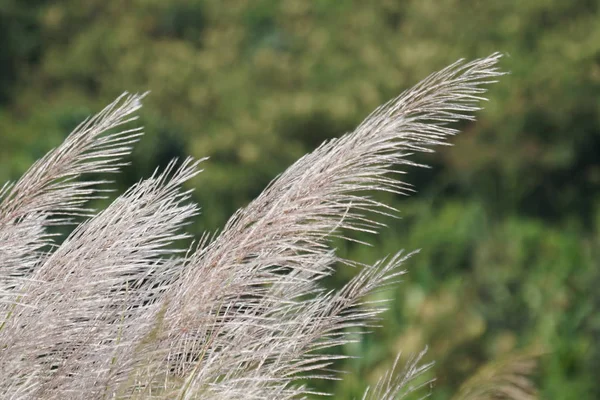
508	219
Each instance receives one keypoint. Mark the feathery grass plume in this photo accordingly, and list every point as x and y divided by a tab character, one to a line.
395	384
91	297
50	194
115	312
507	379
241	309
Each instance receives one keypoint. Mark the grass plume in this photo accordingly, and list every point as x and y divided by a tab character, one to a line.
116	311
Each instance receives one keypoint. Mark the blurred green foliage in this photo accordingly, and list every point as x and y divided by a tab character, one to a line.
508	219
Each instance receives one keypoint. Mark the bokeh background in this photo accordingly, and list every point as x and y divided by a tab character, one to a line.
508	219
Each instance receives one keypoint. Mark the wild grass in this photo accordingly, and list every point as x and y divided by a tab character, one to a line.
116	311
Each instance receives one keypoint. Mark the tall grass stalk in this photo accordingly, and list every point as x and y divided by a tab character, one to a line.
115	311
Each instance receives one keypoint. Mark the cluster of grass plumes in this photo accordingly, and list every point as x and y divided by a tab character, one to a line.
115	311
